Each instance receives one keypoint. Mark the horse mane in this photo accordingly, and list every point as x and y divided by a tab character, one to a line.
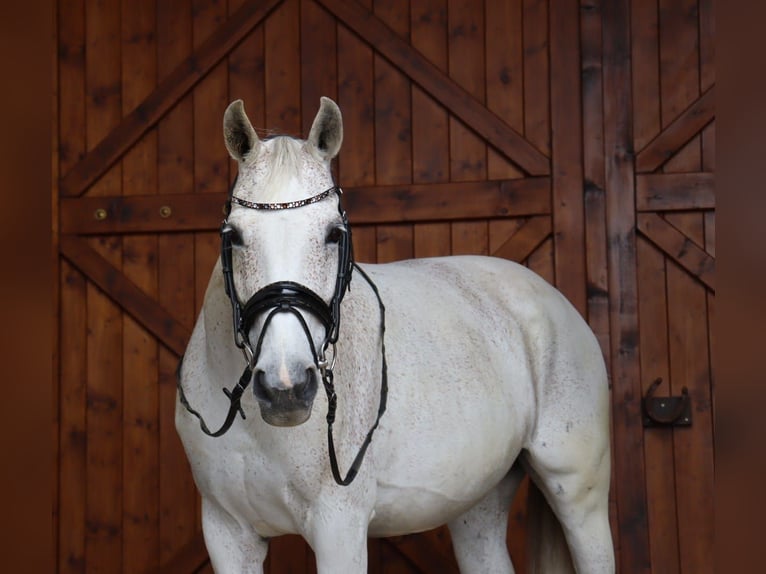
275	163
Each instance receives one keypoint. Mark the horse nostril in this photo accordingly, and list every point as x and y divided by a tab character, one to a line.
306	390
260	390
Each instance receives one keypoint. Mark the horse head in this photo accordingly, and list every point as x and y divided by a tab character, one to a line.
286	250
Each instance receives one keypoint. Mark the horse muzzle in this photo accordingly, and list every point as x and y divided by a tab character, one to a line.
284	403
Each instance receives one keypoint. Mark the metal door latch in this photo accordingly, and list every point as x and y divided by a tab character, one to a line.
666	411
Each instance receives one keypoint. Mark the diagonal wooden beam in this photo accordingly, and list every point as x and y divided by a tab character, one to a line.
681	130
125	293
678	247
450	94
164	97
528	238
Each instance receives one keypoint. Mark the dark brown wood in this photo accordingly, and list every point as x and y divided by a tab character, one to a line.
630	483
142	307
448	93
679	132
318	64
160	101
658	444
537	88
647	121
567	155
375	204
140	453
524	241
675	191
424	553
679	247
189	558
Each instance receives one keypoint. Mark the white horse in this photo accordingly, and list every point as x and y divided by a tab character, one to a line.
490	373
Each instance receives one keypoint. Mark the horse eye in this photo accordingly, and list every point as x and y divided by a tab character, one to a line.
335	234
234	235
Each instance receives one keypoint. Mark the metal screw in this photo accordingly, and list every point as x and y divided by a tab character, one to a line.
165	211
662	405
100	214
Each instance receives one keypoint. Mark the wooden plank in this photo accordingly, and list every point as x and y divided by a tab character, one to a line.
246	68
432	80
72	424
72	304
373	204
594	201
567	154
678	247
140	453
468	154
629	472
393	112
103	505
689	367
425	553
125	293
537	127
175	282
645	30
470	238
189	558
504	75
541	260
318	64
675	191
282	80
658	443
682	129
524	241
394	243
679	73
171	89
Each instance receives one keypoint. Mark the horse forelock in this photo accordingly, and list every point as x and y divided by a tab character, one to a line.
282	169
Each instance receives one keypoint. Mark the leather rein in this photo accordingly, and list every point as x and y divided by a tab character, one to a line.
292	297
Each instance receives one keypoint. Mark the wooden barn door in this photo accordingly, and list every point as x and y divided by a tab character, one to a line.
574	136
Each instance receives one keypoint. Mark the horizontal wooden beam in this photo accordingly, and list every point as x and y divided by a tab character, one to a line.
674	136
446	91
143	308
164	97
528	238
678	247
675	191
365	205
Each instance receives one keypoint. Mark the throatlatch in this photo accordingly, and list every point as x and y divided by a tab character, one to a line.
292	297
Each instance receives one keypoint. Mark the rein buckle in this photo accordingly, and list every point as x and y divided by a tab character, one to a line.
322	362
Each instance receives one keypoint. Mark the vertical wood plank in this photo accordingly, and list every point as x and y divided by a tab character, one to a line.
567	170
140	400
536	79
282	71
679	72
504	75
430	122
646	72
73	298
176	280
658	444
318	64
468	153
356	92
689	366
707	76
246	75
104	319
541	260
630	483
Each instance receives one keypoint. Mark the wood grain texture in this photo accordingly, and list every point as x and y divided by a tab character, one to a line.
183	78
675	191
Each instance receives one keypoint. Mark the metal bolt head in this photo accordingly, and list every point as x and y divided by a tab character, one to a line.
165	211
100	214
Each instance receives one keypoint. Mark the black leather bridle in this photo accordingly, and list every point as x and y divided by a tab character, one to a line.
292	297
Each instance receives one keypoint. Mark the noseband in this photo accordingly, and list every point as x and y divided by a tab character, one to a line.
291	297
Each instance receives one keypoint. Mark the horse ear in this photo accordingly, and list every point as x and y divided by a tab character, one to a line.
327	130
238	132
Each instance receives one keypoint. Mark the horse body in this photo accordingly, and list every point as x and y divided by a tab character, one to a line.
492	373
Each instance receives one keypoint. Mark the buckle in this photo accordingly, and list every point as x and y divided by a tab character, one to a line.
322	362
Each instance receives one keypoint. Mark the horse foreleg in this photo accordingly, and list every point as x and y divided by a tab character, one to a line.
233	548
479	535
338	536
